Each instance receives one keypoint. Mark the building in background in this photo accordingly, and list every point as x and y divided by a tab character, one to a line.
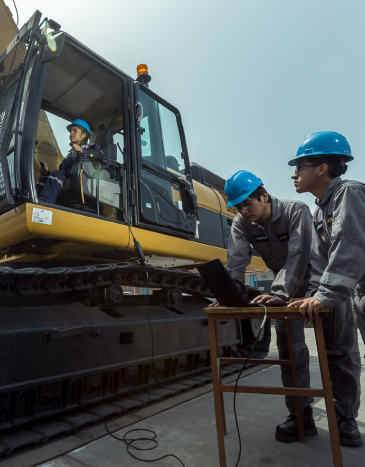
8	27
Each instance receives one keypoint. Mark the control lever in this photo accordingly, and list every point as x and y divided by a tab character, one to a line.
43	167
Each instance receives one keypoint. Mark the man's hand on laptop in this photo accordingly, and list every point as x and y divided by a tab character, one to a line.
215	303
292	300
266	298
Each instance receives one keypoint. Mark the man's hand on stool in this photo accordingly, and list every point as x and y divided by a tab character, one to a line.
265	298
309	307
215	303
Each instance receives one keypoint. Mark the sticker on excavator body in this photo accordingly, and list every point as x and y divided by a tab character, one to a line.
42	216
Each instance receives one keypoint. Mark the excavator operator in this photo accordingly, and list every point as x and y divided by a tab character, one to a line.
338	265
50	183
280	231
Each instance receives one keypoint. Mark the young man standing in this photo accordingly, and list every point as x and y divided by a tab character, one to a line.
280	231
338	264
50	183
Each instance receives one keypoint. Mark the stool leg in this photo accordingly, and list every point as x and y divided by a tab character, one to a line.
326	382
222	401
295	381
218	400
221	394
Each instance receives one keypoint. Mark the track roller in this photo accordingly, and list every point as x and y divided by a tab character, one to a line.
171	296
112	295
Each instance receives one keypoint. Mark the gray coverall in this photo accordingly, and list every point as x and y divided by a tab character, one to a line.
338	264
285	249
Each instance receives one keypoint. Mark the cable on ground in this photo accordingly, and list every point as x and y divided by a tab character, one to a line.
130	442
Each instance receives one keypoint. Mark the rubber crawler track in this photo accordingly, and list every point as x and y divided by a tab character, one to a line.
29	281
68	424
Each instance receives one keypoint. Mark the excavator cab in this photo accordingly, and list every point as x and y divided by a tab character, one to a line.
145	178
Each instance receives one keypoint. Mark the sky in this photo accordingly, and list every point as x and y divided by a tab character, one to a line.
251	78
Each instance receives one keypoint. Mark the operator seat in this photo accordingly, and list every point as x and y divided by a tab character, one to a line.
100	140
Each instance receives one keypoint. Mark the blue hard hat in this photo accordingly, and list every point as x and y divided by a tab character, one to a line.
239	186
323	143
81	124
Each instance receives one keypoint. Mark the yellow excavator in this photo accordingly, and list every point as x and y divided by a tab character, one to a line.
143	216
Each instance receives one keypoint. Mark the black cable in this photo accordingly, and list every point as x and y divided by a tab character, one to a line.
140	254
236	384
141	258
17	14
129	442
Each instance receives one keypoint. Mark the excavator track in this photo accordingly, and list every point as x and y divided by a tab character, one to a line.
54	381
30	281
35	432
55	400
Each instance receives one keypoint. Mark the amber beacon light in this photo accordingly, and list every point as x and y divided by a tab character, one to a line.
142	74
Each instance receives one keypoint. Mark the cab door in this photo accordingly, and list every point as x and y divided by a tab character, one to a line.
23	66
165	197
15	67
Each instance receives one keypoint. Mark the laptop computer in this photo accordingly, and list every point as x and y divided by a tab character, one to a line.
222	285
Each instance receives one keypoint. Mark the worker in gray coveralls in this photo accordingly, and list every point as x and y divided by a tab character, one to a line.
280	231
338	264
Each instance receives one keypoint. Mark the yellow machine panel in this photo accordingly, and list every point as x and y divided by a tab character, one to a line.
79	237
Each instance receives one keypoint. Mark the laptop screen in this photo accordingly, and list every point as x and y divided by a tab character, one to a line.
222	285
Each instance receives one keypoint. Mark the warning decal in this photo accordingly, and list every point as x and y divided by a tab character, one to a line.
42	216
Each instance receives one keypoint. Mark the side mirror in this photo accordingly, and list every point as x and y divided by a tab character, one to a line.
54	40
54	25
54	47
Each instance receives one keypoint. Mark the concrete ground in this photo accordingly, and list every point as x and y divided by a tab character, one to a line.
189	432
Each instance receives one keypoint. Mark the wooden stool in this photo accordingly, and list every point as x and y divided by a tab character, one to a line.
219	388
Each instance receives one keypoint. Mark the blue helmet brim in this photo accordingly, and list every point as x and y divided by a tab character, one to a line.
68	128
294	162
241	198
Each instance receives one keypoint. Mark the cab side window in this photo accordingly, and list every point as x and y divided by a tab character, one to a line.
171	140
160	141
